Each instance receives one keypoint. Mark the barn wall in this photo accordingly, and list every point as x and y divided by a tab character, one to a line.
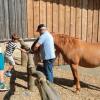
13	18
78	18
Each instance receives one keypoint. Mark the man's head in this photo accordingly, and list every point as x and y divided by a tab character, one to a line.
41	28
15	37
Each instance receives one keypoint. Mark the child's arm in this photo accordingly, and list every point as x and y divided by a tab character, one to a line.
22	50
19	48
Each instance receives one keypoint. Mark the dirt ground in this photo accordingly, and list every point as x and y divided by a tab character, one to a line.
63	81
63	84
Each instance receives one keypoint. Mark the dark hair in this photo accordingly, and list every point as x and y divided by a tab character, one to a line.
15	36
40	26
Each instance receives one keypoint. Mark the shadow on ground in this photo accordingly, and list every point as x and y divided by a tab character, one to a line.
12	88
20	75
62	82
67	82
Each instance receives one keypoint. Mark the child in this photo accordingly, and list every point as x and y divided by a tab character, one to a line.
11	46
2	85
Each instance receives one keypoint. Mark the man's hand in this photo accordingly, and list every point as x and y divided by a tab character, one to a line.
36	46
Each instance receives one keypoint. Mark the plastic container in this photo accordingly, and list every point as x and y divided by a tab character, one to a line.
2	61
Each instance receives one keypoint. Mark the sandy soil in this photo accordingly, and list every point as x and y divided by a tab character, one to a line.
63	83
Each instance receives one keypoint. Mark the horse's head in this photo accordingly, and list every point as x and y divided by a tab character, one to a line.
32	47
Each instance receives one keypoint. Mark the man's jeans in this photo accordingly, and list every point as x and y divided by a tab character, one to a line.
48	71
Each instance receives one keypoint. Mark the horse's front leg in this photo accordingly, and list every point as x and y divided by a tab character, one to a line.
76	76
74	81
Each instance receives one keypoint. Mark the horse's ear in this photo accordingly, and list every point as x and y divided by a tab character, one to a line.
52	32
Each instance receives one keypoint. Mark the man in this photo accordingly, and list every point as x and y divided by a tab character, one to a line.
46	44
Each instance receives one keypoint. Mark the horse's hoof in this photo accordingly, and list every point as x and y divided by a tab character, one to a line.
74	86
77	92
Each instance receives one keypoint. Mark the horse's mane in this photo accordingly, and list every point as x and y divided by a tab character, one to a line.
63	38
64	35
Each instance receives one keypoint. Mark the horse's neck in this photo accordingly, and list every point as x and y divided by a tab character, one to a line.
59	49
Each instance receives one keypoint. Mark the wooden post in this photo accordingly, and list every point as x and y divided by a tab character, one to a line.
27	60
45	87
30	69
24	59
24	45
24	56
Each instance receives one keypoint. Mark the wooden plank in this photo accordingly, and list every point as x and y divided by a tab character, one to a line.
61	23
49	15
36	15
6	19
2	24
78	18
95	21
73	16
43	12
12	16
89	21
55	16
15	9
18	17
99	24
30	18
24	18
55	22
84	19
61	16
67	17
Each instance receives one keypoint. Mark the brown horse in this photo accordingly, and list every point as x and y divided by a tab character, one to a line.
77	53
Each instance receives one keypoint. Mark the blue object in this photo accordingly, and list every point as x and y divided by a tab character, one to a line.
48	71
47	46
2	61
8	74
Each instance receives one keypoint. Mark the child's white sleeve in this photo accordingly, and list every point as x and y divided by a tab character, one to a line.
18	47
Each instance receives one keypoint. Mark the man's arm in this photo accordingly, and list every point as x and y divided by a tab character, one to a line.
36	46
38	43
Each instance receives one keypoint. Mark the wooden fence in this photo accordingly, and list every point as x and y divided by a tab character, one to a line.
79	18
13	18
